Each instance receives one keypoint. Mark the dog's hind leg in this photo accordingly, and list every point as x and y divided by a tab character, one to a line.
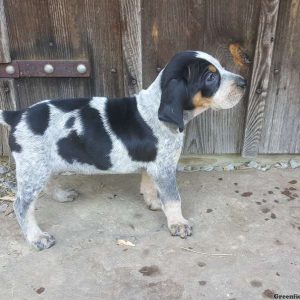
31	178
149	191
55	191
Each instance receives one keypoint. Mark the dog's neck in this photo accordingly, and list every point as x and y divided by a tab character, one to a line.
148	101
151	96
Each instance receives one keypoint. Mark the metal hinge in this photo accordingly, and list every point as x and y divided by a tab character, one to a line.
45	68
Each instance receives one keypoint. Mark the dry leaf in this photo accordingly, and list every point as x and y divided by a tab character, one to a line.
8	198
125	243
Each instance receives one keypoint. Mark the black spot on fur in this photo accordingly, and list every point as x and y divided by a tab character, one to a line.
93	147
38	118
68	105
14	146
70	122
127	123
13	118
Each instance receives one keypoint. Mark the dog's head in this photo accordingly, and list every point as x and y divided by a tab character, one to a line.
194	79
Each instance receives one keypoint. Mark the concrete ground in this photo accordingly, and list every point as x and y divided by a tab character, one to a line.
245	243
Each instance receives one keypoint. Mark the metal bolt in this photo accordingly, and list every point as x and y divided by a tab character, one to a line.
10	69
258	91
133	82
48	68
276	71
81	68
158	69
113	70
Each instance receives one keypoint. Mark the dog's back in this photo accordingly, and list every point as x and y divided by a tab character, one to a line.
88	135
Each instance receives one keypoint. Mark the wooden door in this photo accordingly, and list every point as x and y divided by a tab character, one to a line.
128	42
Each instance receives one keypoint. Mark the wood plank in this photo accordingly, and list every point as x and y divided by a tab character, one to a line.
164	32
4	44
7	87
102	21
281	131
211	26
260	77
8	101
55	29
215	26
48	30
131	45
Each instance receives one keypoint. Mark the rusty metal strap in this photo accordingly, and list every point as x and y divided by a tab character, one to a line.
45	68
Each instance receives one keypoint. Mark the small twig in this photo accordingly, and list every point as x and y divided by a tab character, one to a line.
7	198
204	253
9	212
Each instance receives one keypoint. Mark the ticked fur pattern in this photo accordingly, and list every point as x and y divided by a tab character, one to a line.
100	135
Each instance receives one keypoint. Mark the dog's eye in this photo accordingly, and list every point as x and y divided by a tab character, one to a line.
211	77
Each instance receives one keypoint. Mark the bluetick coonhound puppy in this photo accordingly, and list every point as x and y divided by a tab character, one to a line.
101	135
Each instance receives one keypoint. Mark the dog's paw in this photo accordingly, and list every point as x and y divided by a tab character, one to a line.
182	229
44	241
152	202
68	195
155	205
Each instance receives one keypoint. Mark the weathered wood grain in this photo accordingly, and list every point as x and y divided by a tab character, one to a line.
131	45
211	26
48	30
260	77
129	41
212	132
103	24
8	101
4	43
7	89
164	32
281	130
55	29
214	26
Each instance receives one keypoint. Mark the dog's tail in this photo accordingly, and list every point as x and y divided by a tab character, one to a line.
9	117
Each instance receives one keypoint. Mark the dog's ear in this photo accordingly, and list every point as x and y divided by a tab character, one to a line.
173	95
174	88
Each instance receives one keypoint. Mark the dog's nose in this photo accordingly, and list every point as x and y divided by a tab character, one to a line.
242	82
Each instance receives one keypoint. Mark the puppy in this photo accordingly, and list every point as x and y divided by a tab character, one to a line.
101	135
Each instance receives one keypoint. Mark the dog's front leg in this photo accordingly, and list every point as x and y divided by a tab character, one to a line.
165	181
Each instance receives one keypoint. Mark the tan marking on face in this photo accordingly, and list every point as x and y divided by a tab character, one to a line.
200	101
212	68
